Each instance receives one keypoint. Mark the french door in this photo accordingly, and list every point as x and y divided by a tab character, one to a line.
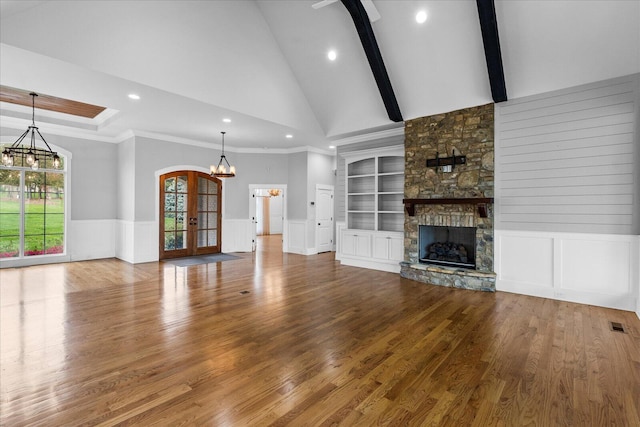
190	214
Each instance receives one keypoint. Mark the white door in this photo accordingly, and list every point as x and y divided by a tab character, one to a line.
324	218
253	212
254	191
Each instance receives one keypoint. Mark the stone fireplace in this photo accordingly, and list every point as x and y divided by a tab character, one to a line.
449	210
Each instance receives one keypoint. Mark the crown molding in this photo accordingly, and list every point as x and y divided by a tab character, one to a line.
371	136
7	122
20	124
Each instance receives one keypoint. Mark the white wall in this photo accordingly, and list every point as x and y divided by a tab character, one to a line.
126	179
258	168
152	155
567	190
297	186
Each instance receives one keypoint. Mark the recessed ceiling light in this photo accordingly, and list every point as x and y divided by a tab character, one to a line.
288	136
134	96
226	120
332	55
421	17
332	147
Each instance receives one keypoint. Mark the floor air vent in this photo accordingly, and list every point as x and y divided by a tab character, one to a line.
244	292
617	327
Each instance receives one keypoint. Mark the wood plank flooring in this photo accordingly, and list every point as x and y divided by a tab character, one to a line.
311	343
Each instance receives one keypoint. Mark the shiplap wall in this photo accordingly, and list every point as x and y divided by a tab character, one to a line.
568	160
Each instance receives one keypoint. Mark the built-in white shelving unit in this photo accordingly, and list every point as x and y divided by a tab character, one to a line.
375	188
373	237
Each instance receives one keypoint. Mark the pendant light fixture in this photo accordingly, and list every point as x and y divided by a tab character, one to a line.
22	155
220	171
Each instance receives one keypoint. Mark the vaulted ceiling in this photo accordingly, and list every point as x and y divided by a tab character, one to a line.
263	64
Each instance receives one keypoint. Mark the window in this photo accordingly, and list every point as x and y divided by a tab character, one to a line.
32	212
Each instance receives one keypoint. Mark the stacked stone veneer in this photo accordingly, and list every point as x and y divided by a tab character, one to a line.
470	133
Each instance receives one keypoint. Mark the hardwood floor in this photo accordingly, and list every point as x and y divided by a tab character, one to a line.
311	343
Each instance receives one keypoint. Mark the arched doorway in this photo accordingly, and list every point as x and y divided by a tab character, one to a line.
190	214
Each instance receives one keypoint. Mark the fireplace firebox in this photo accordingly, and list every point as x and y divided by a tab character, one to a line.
448	246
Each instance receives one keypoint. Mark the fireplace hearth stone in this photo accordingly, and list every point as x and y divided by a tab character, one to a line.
450	277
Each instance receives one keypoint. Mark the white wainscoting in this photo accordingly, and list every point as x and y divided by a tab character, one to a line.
638	286
236	235
137	242
340	225
297	237
124	240
86	239
146	241
594	269
92	239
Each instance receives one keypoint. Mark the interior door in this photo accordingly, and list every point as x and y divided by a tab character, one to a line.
190	220
253	212
324	219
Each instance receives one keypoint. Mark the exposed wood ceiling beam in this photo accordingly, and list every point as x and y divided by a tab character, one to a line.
48	102
489	27
370	45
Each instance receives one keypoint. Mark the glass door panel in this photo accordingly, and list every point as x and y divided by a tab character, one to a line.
174	205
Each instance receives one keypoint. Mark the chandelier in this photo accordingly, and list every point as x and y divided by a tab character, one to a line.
30	155
220	171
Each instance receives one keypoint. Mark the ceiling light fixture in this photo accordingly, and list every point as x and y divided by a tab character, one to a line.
220	171
20	155
421	17
288	136
332	55
226	120
134	96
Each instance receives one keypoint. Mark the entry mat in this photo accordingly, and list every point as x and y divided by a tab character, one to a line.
201	259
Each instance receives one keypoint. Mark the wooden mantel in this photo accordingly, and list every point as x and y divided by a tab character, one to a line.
481	202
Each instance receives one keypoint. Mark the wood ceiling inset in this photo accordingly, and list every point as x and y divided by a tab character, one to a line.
48	102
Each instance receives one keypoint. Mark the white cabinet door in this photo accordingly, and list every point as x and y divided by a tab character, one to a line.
356	244
363	245
381	247
396	248
388	247
348	243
